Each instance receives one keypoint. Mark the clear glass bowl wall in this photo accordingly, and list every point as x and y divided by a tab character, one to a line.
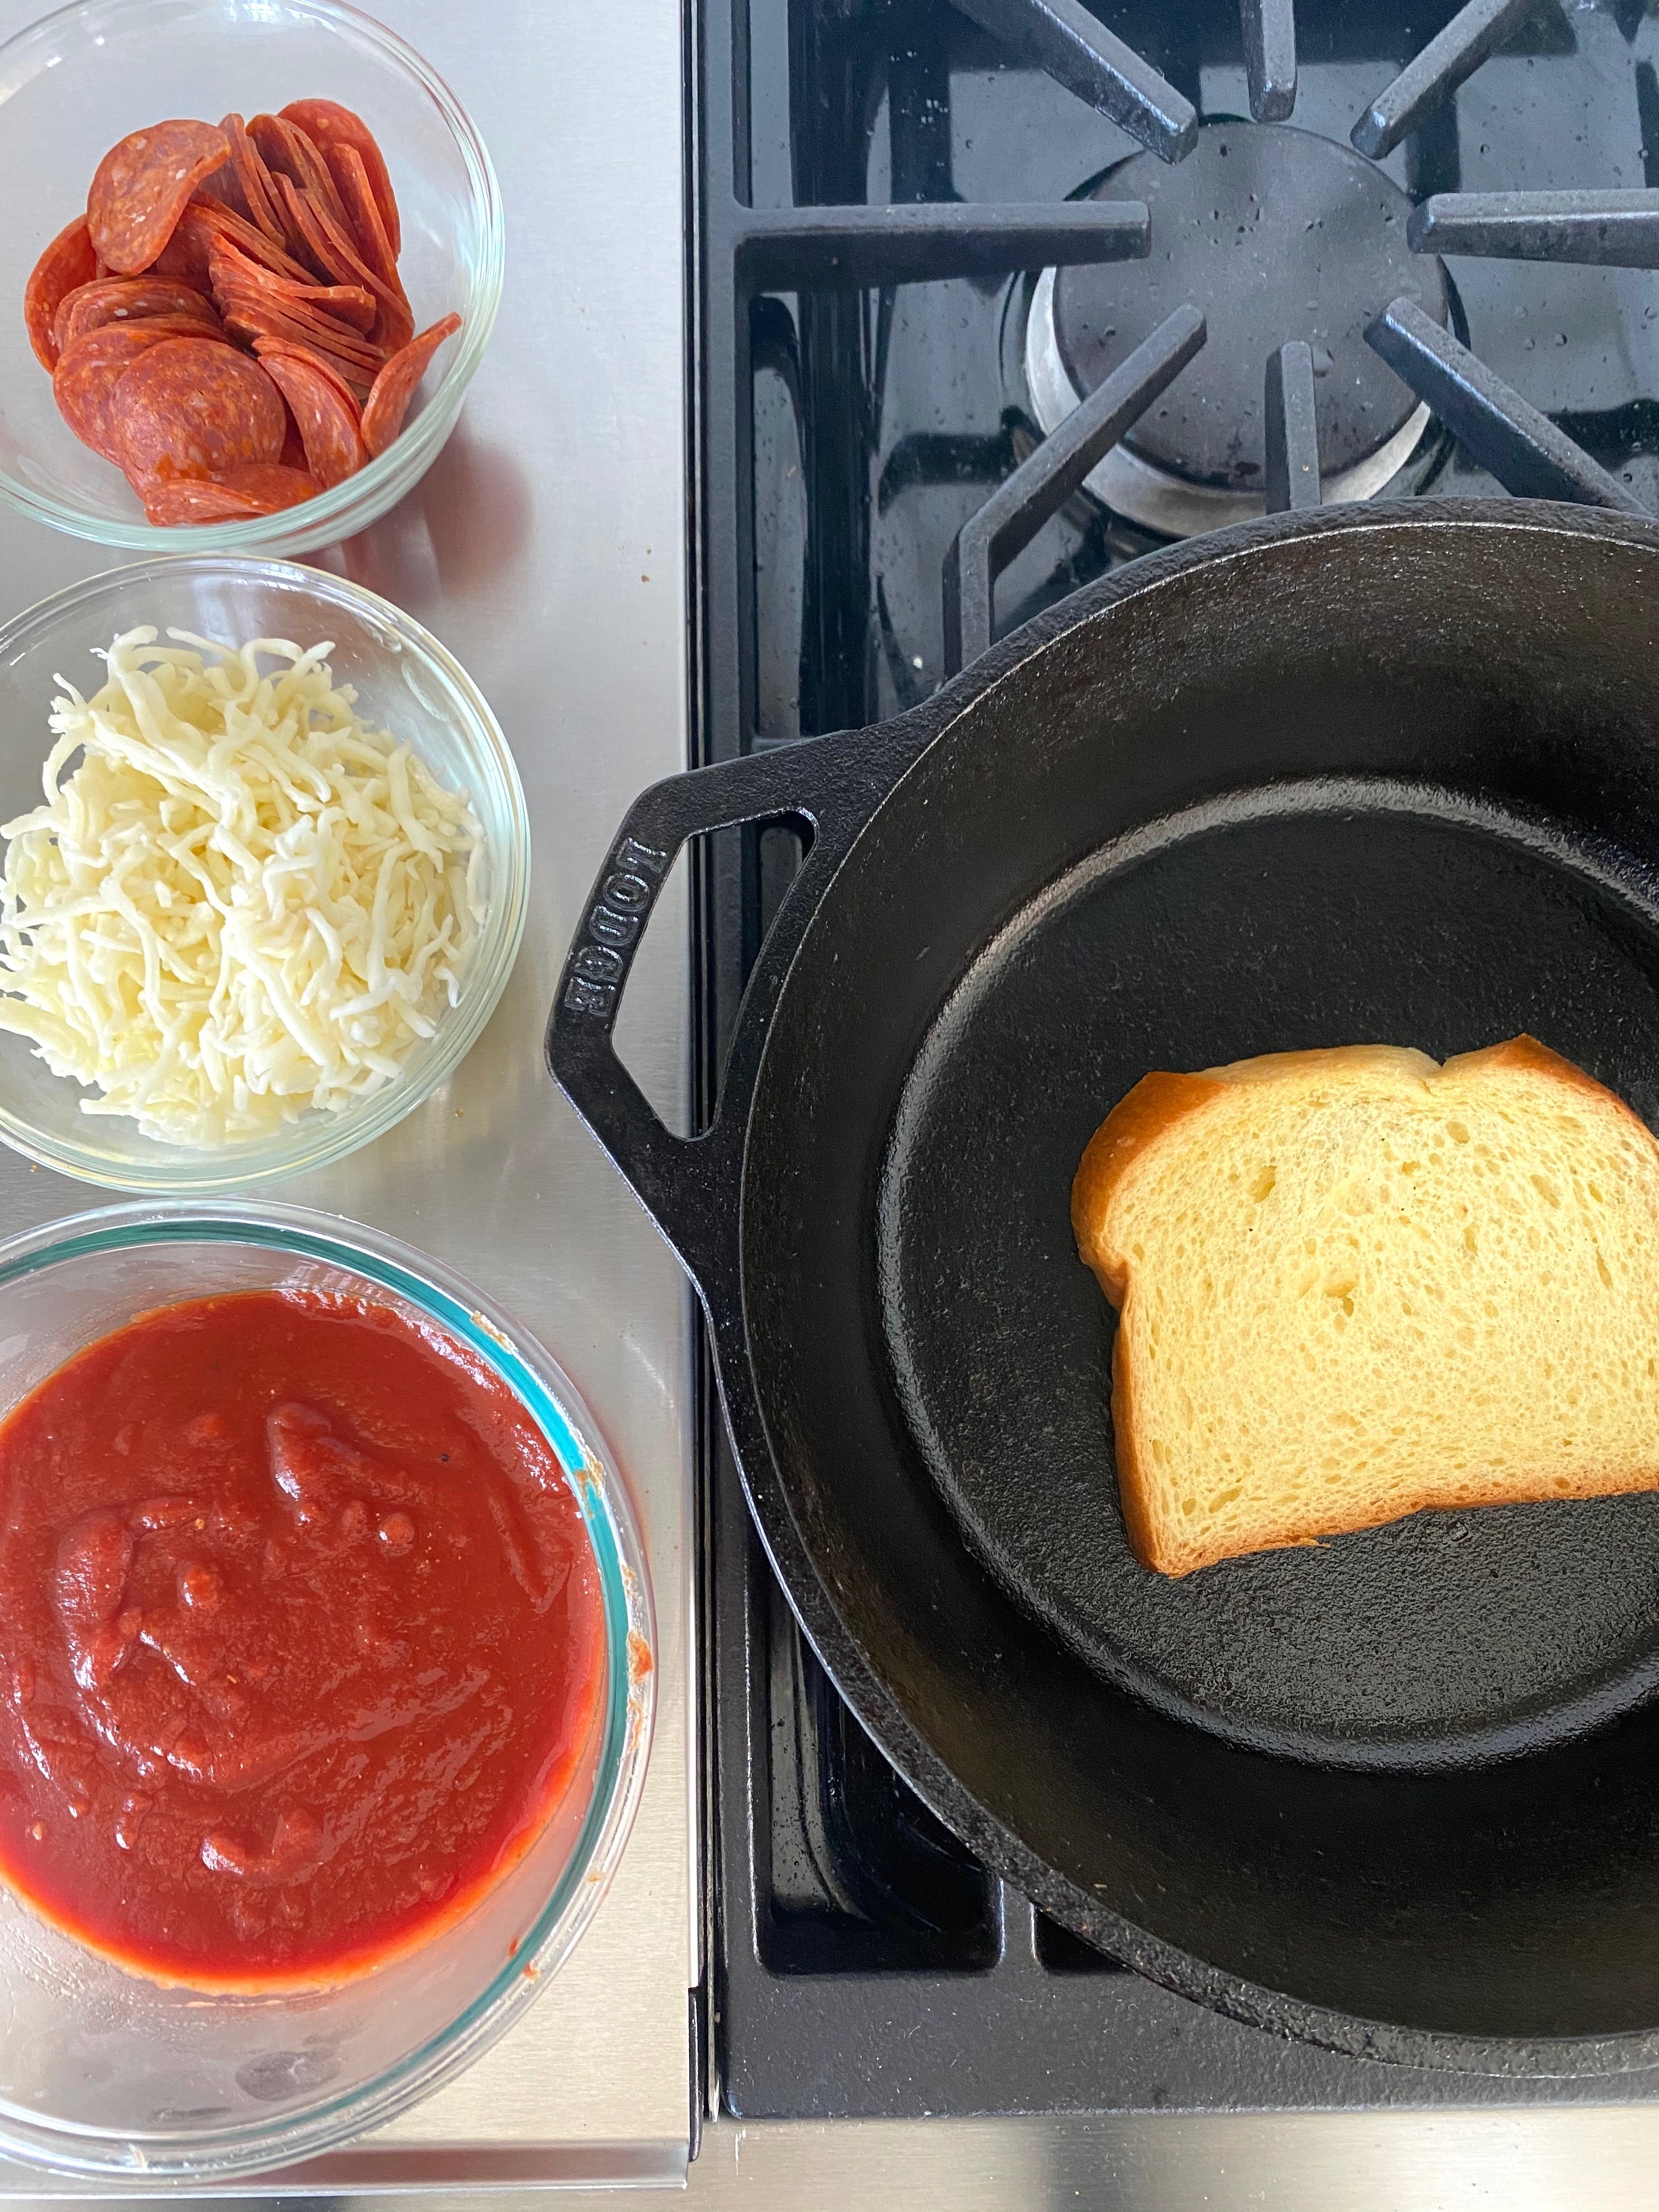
75	82
104	2074
407	683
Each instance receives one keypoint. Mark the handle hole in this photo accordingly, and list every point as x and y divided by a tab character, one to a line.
645	1034
781	848
746	870
1062	1953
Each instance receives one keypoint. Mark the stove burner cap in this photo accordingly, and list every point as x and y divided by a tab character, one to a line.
1274	234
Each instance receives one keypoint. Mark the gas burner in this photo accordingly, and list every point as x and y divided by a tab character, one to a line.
1276	235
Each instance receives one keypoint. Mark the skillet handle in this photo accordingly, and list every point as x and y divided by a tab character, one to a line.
689	1185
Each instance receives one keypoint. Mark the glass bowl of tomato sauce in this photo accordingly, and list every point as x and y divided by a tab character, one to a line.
325	1684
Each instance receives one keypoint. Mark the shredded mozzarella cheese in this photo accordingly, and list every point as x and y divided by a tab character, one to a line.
240	904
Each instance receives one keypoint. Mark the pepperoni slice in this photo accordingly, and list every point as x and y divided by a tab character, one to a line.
345	304
327	123
339	264
254	183
355	383
248	487
289	153
249	321
222	186
257	313
394	387
334	252
128	299
195	408
357	193
326	419
284	349
83	383
257	304
143	186
68	263
174	326
268	485
188	251
233	276
394	327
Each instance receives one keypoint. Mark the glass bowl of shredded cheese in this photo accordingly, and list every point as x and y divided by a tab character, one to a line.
265	873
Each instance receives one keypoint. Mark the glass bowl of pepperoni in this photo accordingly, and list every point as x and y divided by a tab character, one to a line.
318	286
327	1685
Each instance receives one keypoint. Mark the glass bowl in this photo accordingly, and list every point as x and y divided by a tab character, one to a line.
106	2074
75	82
405	680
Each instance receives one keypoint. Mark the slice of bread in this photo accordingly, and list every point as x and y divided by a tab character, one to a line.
1355	1284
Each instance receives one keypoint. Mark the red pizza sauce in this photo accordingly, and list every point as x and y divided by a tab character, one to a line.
300	1639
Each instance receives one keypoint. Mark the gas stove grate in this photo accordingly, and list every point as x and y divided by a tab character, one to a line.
1526	453
753	254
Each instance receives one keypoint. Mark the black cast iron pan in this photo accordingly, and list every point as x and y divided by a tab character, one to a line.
1366	775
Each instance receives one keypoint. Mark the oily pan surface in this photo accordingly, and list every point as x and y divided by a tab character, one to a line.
1316	914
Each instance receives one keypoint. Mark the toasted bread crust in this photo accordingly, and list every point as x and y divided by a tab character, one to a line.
1159	1105
1162	1100
1524	1051
1474	1494
1132	1489
1143	1118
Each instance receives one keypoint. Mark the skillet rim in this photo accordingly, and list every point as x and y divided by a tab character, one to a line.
877	1705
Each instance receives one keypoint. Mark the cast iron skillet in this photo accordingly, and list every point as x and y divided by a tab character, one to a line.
1375	773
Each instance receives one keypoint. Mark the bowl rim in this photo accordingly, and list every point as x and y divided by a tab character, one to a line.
338	511
512	1352
335	1137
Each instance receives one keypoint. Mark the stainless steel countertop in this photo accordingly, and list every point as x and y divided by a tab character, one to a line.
546	548
1587	2161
